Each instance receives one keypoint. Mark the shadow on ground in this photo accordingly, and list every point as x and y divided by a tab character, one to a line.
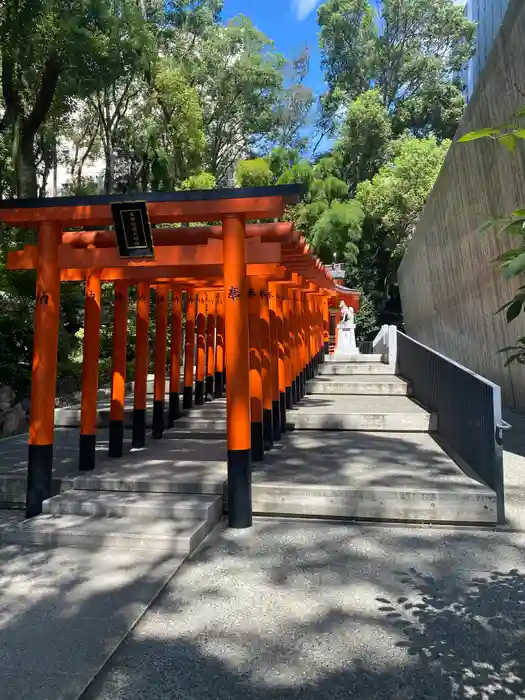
301	611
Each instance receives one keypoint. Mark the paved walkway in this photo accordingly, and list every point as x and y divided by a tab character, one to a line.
307	611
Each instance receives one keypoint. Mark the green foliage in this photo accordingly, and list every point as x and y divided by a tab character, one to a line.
254	173
366	326
512	261
407	51
396	195
202	181
338	230
364	139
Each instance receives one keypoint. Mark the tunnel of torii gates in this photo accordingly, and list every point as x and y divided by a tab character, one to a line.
256	301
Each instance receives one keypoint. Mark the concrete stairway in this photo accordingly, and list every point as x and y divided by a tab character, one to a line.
361	448
69	416
175	523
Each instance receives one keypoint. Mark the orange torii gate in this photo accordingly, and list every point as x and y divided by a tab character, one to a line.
257	302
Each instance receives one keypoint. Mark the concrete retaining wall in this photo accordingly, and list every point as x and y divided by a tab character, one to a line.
449	287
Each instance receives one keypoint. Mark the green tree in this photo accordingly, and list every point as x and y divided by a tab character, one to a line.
408	51
396	195
253	173
338	230
239	78
47	56
392	202
295	104
364	139
202	181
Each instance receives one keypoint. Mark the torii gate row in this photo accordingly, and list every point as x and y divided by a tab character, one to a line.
258	300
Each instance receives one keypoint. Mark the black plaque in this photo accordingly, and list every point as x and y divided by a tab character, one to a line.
132	229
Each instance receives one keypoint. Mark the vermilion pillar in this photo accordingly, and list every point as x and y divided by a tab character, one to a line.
274	353
326	327
118	383
219	346
210	345
295	345
91	346
141	365
161	341
287	340
175	350
189	349
44	372
238	383
201	349
256	382
266	365
309	333
302	344
280	357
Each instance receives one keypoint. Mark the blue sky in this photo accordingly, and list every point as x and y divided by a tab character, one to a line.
290	23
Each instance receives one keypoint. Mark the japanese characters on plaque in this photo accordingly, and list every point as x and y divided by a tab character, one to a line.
132	229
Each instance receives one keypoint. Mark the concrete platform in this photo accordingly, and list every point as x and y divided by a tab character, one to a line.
381	476
353	357
382	413
364	384
333	367
106	504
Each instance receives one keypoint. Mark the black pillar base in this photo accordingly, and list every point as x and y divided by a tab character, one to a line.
218	385
174	409
158	420
86	453
282	411
289	401
39	478
295	391
187	397
116	439
138	438
257	442
239	489
276	420
199	393
210	393
267	429
302	384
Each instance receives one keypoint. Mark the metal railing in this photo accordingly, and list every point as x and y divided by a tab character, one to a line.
468	409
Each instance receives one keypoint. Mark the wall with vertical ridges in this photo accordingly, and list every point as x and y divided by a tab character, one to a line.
449	286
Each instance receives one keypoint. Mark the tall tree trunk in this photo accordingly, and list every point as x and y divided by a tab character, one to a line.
26	168
109	175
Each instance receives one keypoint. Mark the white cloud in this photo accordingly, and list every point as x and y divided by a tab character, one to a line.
304	7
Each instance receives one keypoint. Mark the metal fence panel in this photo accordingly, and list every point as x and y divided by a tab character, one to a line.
468	408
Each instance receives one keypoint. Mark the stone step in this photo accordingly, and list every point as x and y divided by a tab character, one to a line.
358	384
200	426
379	504
353	357
178	535
70	417
192	479
141	505
342	368
368	413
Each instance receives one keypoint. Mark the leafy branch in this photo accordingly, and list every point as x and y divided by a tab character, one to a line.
511	262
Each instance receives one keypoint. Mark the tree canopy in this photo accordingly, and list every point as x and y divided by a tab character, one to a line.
138	95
